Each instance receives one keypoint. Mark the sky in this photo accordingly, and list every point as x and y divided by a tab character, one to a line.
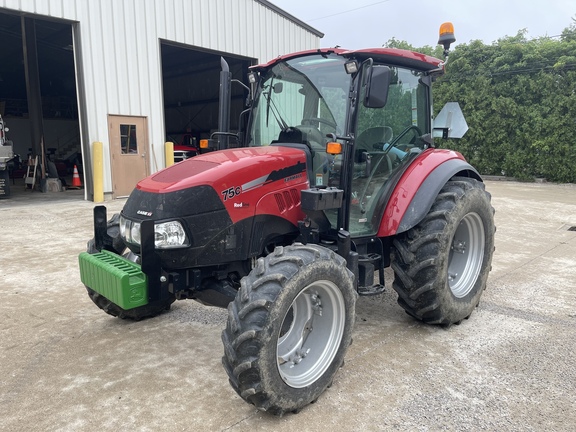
371	23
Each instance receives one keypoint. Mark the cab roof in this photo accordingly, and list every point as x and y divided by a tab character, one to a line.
392	56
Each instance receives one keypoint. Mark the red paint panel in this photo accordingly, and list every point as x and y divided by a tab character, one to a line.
241	178
281	203
427	62
409	184
296	54
178	147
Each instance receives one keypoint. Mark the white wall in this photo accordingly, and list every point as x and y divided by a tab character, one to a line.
120	50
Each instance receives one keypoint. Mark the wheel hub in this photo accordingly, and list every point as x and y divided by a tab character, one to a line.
466	255
310	334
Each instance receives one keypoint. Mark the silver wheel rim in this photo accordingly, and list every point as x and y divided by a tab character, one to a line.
310	334
466	255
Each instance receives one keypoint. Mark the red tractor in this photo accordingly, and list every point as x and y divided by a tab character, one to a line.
336	177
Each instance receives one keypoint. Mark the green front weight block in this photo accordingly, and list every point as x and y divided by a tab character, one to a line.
119	280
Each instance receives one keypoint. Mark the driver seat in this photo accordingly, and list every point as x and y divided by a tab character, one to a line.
373	135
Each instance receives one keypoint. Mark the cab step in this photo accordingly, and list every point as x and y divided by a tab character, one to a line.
368	264
371	290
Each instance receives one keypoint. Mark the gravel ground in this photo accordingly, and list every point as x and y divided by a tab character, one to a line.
67	366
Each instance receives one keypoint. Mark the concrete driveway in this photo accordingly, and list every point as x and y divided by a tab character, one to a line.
67	366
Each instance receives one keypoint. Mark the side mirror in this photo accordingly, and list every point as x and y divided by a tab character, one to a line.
377	87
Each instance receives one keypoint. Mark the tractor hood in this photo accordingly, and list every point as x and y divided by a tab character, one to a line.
234	180
245	167
229	202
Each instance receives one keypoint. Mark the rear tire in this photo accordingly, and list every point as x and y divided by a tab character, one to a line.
441	265
289	328
119	247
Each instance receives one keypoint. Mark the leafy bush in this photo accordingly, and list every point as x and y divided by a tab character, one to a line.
519	99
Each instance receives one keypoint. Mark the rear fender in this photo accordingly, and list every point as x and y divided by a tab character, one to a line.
418	187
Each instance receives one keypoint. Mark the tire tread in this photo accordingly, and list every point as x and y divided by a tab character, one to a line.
417	255
243	336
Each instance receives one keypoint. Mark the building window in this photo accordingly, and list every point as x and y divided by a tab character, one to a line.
128	143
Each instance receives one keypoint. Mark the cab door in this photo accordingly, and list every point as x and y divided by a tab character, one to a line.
388	137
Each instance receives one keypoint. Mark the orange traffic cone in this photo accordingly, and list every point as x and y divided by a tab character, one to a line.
76	183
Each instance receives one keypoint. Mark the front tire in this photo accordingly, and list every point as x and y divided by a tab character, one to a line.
441	265
289	328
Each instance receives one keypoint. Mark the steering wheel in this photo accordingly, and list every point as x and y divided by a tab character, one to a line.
313	120
315	137
404	132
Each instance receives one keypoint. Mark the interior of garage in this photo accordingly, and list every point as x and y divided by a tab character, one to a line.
38	100
191	89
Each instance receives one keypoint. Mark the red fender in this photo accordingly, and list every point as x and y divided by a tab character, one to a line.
427	175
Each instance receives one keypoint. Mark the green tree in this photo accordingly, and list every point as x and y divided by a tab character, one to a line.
519	99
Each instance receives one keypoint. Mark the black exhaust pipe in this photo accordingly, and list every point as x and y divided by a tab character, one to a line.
224	104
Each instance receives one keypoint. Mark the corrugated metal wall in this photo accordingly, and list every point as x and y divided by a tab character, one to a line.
119	58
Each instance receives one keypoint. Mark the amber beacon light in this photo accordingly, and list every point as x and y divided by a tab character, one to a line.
446	35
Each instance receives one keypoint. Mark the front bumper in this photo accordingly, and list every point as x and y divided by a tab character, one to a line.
119	280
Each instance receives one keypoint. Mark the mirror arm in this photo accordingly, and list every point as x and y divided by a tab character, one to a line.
249	98
334	137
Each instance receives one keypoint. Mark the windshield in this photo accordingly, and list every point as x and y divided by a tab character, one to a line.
301	100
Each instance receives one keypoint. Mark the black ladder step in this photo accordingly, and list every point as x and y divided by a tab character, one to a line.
371	290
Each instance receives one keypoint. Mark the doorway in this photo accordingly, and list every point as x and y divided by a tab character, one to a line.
129	158
191	83
52	111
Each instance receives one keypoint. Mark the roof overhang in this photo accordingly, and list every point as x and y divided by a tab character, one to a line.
392	56
292	18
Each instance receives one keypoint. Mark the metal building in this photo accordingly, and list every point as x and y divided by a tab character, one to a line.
131	74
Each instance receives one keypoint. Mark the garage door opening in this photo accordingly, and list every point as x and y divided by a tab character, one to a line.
191	82
39	106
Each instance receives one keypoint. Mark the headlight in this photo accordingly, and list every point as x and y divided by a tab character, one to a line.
124	227
169	235
166	234
126	230
135	233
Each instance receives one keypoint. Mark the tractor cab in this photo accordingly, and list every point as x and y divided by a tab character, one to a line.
362	117
375	104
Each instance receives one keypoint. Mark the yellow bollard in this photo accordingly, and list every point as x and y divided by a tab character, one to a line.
169	153
98	171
